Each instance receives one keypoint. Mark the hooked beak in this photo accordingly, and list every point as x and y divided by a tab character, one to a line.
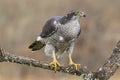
82	14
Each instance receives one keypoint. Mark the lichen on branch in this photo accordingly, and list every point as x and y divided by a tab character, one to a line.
103	73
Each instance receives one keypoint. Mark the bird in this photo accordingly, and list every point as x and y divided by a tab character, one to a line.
58	36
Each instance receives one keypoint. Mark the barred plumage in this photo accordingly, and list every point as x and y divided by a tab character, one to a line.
59	35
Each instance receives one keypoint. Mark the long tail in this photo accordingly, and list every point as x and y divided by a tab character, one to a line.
37	45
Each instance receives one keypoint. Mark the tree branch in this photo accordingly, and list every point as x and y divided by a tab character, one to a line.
103	73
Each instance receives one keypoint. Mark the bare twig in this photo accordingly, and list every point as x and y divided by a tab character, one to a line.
103	73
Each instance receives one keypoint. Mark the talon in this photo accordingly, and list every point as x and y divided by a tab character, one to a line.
75	65
55	63
72	63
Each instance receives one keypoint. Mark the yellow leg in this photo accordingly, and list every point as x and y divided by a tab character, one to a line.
72	63
54	62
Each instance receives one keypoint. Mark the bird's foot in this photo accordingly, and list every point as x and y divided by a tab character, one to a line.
55	63
75	65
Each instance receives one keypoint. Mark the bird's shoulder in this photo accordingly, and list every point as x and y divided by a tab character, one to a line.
50	26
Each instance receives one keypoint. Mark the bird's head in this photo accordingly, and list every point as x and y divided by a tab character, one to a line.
75	14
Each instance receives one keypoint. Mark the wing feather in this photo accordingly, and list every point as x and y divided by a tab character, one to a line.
49	28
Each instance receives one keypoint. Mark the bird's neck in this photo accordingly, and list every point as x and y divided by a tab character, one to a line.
65	19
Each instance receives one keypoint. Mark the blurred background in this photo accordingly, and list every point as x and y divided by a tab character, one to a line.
21	21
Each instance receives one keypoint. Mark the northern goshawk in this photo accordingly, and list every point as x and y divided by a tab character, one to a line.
58	36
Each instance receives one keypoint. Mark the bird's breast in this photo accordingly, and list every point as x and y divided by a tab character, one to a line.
69	30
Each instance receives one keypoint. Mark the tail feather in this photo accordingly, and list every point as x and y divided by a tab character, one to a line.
37	45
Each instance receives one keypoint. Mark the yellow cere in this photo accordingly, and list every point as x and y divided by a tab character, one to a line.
76	13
